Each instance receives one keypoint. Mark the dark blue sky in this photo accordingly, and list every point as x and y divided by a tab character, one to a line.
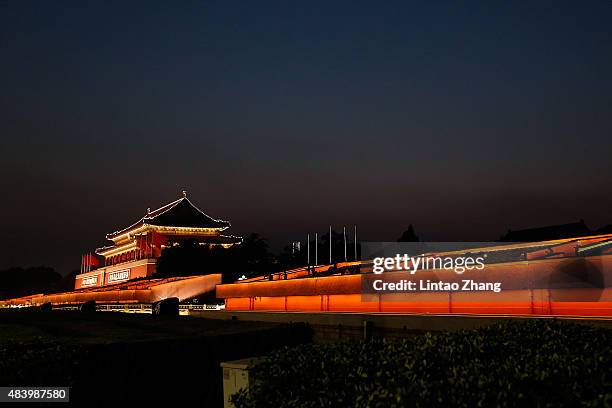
463	119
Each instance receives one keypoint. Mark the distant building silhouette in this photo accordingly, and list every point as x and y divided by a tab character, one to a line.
604	230
408	235
575	229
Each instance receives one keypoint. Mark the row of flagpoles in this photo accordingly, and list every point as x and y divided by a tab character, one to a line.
316	240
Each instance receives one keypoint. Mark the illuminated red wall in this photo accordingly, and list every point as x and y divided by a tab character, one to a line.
529	290
146	291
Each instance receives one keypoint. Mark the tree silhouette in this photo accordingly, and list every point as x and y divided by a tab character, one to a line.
408	235
16	282
189	257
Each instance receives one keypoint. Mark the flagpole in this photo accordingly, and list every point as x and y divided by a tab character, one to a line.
330	245
316	248
344	238
355	243
308	250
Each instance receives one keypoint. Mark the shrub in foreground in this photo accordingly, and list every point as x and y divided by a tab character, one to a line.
516	363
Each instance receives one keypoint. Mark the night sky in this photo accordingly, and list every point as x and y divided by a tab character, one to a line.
283	117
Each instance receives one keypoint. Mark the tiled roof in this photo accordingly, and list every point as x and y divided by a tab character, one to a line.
179	213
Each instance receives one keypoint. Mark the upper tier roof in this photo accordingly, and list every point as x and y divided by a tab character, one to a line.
179	213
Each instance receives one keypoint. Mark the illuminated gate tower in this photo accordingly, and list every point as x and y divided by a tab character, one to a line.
135	249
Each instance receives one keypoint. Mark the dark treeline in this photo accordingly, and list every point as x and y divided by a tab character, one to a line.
16	282
188	257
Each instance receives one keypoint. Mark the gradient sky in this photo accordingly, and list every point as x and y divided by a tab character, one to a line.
283	117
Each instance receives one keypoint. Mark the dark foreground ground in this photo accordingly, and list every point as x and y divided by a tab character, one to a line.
511	363
114	357
141	360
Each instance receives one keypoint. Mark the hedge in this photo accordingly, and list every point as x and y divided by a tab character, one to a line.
515	363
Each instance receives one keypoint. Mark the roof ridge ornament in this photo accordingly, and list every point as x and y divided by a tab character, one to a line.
184	193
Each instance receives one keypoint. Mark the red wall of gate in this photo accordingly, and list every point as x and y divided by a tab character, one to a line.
528	287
